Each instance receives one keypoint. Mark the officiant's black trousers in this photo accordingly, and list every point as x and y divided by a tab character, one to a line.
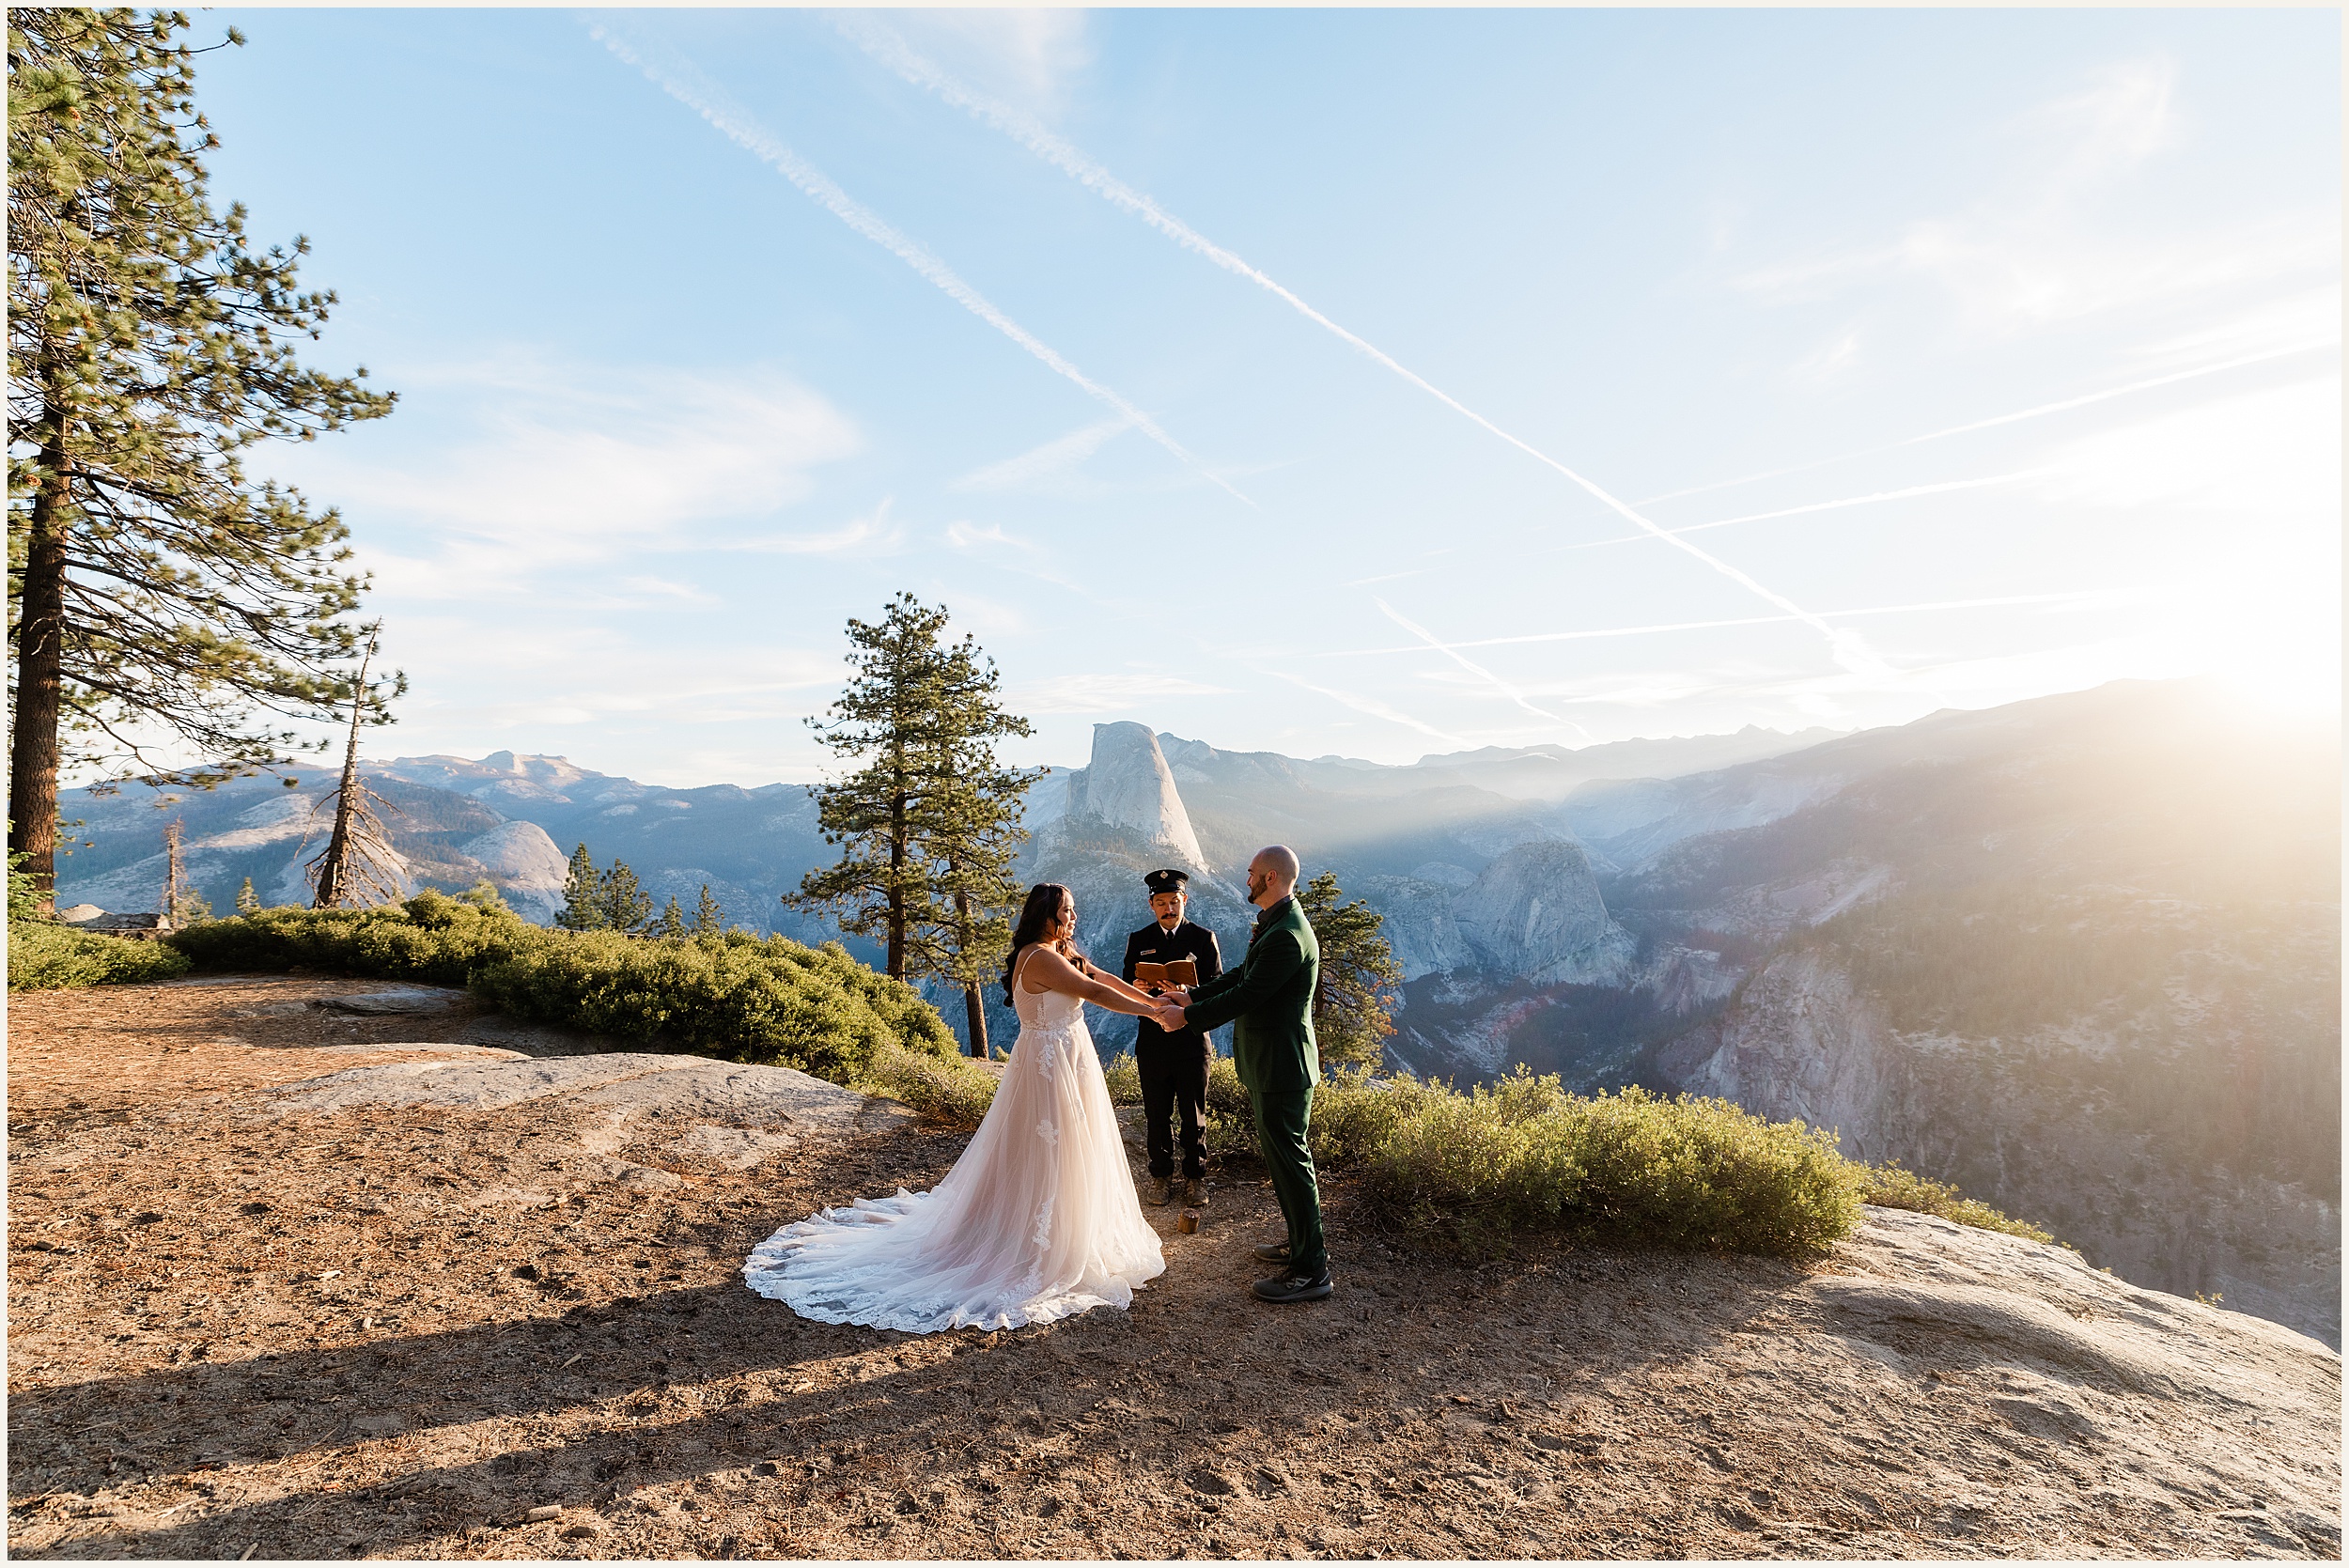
1174	1078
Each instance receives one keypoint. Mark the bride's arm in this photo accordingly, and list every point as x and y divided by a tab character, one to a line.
1058	974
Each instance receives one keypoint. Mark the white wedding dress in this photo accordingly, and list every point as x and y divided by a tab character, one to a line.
1037	1220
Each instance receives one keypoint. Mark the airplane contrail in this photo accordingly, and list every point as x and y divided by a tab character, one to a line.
1371	706
2061	406
886	45
2075	596
1941	488
1477	670
686	86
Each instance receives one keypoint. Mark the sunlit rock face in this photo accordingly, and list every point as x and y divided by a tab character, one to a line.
1126	784
523	864
1536	913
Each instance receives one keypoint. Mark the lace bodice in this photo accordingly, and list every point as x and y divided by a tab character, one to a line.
1051	1011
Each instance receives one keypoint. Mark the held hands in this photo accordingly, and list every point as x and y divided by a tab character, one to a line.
1169	1017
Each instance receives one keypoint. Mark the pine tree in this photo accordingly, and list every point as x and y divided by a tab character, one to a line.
583	895
1352	1007
625	905
156	590
708	918
930	823
672	921
248	901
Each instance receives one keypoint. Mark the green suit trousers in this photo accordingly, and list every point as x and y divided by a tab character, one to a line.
1284	1120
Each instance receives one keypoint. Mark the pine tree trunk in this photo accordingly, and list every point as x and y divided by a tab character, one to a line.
974	1009
41	666
897	835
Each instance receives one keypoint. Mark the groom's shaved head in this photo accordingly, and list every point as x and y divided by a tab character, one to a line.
1280	861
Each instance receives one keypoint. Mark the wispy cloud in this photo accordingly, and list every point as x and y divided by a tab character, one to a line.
2021	257
886	45
865	535
1104	693
1051	469
681	80
566	464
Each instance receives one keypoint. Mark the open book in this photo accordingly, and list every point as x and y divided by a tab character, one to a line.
1181	972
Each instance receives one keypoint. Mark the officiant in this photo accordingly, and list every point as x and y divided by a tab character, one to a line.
1173	1067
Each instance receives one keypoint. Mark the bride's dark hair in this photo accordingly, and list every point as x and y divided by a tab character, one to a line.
1038	918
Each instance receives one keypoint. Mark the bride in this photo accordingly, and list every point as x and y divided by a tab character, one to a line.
1037	1220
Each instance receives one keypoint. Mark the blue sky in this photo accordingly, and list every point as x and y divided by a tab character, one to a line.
1320	382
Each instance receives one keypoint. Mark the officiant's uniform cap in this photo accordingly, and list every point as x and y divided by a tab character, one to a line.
1166	881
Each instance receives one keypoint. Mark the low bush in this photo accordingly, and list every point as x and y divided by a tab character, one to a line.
736	995
45	955
1124	1078
1476	1171
954	1090
1888	1186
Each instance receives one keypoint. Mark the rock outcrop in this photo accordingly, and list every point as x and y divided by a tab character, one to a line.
2013	1123
1535	914
524	866
1128	785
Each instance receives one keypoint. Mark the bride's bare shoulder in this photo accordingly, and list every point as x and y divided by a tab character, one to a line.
1044	964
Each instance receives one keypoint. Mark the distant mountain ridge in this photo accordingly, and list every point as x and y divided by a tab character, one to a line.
2079	954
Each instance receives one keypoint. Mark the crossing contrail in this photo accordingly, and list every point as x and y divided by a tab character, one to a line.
2038	411
1942	489
2084	598
886	45
1477	670
686	86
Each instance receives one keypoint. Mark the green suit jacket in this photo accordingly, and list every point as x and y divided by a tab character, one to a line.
1270	1002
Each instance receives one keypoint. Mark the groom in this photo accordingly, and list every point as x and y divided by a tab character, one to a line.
1271	995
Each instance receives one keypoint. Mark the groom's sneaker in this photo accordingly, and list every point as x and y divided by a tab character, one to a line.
1162	1190
1272	1251
1295	1287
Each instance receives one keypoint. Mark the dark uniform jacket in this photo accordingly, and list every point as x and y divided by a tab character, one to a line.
1271	995
1152	945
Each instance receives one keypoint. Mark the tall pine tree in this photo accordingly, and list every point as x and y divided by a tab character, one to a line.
1353	1005
155	589
583	895
929	825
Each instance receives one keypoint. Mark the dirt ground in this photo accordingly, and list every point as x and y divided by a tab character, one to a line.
409	1332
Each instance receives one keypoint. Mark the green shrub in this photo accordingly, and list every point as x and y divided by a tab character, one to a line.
1479	1170
1123	1077
44	955
954	1090
1888	1186
736	995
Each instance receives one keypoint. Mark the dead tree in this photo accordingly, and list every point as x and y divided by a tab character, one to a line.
358	869
175	878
